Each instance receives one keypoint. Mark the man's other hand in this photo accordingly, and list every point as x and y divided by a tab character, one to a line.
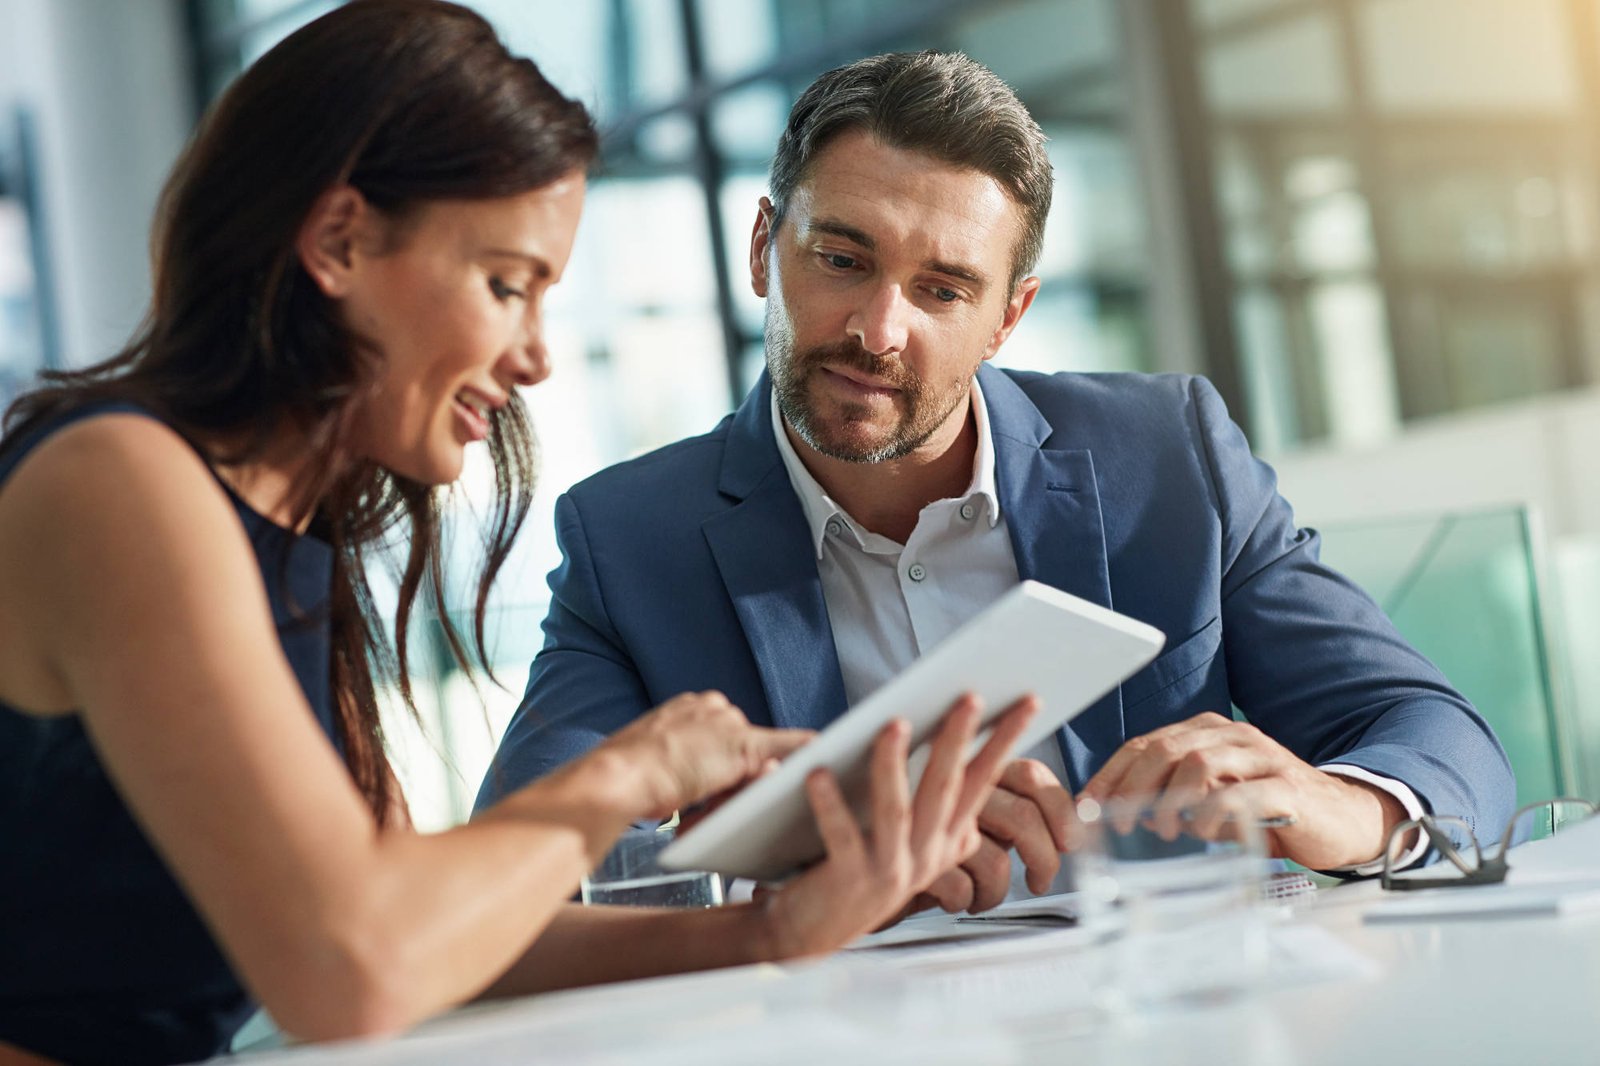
1029	813
1219	767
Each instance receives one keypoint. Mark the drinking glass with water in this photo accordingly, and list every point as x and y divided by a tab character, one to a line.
629	876
1181	916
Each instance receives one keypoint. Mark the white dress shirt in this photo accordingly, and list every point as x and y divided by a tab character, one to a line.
888	603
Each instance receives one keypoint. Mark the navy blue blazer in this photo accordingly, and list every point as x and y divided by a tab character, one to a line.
693	568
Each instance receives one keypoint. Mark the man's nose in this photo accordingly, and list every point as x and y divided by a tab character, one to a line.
882	323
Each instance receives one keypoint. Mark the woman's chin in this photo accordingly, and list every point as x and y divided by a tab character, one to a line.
433	470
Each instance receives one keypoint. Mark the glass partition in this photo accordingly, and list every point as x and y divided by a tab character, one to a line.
1462	588
1577	580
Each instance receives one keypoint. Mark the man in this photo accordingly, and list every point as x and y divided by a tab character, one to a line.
880	485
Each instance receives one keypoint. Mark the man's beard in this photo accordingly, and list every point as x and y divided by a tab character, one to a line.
920	411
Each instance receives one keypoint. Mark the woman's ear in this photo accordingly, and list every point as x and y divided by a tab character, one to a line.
326	242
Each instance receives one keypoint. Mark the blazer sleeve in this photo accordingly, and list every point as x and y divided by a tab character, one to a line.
582	687
1318	666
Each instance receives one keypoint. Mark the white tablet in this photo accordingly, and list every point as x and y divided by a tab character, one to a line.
1034	639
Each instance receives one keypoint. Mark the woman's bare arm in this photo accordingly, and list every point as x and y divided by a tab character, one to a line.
143	599
593	945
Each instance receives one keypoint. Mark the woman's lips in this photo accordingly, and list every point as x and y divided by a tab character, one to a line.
476	425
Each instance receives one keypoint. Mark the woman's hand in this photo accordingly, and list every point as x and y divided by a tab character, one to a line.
869	877
690	748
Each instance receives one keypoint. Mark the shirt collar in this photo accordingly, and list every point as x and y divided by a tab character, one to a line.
819	508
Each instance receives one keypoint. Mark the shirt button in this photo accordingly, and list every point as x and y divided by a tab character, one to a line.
835	527
968	511
916	572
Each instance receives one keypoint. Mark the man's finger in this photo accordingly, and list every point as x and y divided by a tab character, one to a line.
990	870
1159	755
953	890
1017	821
1036	781
1224	814
1203	771
1108	781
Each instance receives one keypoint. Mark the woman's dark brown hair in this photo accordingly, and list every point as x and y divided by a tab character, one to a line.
409	101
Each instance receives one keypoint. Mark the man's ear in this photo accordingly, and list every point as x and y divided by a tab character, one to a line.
760	245
326	243
1021	300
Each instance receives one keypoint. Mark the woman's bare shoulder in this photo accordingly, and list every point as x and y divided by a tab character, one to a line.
102	474
103	450
120	487
125	438
108	523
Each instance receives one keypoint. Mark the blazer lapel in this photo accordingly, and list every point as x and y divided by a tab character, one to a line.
763	550
1051	504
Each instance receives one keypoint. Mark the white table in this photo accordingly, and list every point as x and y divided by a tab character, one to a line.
1524	991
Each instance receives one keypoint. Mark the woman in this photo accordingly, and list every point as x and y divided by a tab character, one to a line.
195	807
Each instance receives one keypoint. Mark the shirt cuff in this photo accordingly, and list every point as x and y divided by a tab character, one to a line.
1407	799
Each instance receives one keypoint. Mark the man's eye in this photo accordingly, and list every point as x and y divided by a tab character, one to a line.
504	292
946	296
841	262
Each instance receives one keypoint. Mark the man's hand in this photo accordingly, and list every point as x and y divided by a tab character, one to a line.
1031	813
1233	766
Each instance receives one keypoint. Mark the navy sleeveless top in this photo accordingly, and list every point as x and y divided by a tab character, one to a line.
102	957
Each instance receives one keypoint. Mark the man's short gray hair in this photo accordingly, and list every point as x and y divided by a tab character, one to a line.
941	104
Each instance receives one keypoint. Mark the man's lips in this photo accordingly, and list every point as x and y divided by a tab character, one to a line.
856	381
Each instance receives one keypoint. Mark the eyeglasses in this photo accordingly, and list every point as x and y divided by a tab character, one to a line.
1531	822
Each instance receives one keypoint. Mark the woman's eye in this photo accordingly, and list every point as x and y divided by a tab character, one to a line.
504	292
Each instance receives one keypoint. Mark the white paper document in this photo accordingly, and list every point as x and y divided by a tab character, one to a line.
1512	900
1012	966
1555	876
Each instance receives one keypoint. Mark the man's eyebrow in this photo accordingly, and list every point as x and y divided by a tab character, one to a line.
960	272
845	230
956	270
540	266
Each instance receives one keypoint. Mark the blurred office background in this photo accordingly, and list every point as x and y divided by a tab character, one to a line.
1372	223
